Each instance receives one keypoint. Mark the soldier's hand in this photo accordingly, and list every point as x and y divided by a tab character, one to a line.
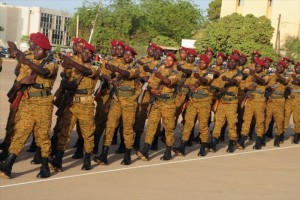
145	78
157	75
147	68
21	57
67	61
179	67
252	72
28	80
155	92
224	78
196	75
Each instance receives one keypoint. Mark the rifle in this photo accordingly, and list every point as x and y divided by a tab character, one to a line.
188	97
270	90
16	95
153	100
247	96
219	97
104	87
288	91
60	91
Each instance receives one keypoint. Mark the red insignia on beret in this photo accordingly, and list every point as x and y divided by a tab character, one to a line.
128	48
259	62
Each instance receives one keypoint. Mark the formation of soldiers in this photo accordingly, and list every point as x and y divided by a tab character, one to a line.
244	98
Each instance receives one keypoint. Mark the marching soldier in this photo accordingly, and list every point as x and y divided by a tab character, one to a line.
123	105
35	106
276	101
199	105
182	55
210	54
227	104
254	104
162	86
79	106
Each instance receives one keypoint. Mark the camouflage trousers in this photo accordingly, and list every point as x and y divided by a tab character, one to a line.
165	110
83	112
34	114
10	125
124	108
101	114
275	108
199	108
292	107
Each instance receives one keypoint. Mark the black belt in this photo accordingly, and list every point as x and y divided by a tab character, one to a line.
38	86
81	91
43	93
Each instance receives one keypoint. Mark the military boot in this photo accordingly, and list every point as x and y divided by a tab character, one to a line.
32	147
296	138
144	153
45	170
96	143
54	142
168	154
202	151
122	147
127	157
282	138
87	162
137	139
37	158
102	158
5	168
79	150
231	146
241	142
180	150
258	143
277	141
196	138
56	163
154	145
213	144
4	153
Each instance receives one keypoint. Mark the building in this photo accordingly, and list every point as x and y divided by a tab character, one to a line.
288	10
18	21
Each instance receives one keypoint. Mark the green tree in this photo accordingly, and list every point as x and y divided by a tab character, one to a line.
214	10
244	33
165	41
292	47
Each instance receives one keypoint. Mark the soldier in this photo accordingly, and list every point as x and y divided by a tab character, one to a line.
210	54
199	104
182	55
145	72
35	107
292	103
276	101
123	105
79	107
162	86
227	104
254	104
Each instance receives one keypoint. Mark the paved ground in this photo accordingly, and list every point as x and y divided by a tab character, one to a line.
271	173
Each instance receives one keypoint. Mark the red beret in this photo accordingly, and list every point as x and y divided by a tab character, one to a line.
192	52
209	50
89	47
172	55
267	59
32	36
128	48
259	62
113	43
255	52
280	62
79	40
286	59
244	56
120	43
231	57
204	58
221	54
154	46
183	49
297	64
236	52
42	41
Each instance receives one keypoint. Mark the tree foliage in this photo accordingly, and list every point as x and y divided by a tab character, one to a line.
244	33
291	47
214	10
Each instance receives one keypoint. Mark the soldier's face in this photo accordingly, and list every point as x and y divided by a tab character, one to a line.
279	68
190	58
258	68
219	60
31	45
150	51
113	51
74	48
232	64
267	64
39	53
87	55
209	54
242	61
120	51
128	57
157	54
202	65
169	62
79	47
297	69
182	54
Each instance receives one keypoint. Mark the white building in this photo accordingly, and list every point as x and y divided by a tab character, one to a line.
288	9
19	20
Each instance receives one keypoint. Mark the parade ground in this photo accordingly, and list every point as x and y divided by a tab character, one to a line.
269	173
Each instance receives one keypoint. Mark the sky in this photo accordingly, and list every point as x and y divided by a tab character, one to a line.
71	5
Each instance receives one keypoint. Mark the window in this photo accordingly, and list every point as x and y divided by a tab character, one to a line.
46	20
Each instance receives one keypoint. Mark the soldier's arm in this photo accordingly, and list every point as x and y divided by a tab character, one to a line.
188	72
164	80
36	68
282	79
259	80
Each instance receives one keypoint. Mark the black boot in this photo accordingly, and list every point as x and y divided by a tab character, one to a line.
32	147
44	171
202	151
5	168
282	138
115	137
102	158
137	139
180	150
56	163
37	158
231	146
154	145
79	150
296	138
269	132
241	142
263	140
196	138
144	153
213	144
96	143
4	153
54	141
277	141
87	162
127	157
223	131
258	143
167	155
